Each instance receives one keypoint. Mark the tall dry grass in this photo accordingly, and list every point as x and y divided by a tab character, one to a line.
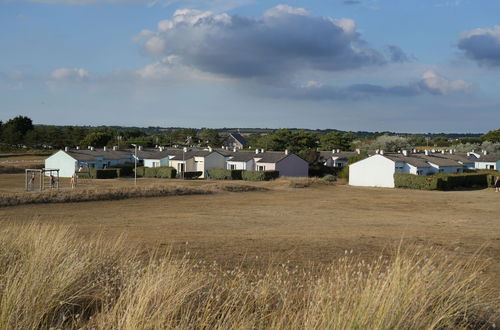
49	277
98	194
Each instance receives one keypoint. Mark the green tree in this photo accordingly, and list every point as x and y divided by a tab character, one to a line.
336	140
96	139
14	130
492	136
209	137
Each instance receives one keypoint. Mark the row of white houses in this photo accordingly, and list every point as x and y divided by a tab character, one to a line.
378	170
69	161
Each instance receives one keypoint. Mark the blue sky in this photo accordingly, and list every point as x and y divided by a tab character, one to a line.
407	65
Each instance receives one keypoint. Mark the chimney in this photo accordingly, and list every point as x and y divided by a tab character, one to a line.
358	151
405	153
261	151
377	151
451	152
104	148
382	152
235	149
333	151
210	149
286	151
468	154
185	149
427	152
485	152
115	148
256	151
66	149
91	148
77	147
160	148
140	148
443	151
338	150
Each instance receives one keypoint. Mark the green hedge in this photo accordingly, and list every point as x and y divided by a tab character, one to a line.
157	172
440	181
104	173
192	175
260	175
223	174
126	169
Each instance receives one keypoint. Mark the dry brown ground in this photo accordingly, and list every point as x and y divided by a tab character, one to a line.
314	224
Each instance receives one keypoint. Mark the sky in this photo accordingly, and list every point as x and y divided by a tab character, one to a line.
373	65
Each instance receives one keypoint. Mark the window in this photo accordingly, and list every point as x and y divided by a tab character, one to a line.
458	170
261	168
233	167
441	170
340	164
492	167
420	172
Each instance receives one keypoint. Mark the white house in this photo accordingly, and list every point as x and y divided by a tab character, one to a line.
241	161
157	157
378	170
197	161
336	157
488	161
68	161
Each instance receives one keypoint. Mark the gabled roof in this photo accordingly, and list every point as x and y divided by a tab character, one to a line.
411	159
193	153
494	157
153	154
461	157
242	156
238	137
89	155
440	160
270	157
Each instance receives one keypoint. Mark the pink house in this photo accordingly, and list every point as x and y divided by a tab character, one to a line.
286	163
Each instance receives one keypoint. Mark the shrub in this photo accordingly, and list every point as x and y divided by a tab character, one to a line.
329	178
101	173
166	172
260	175
140	170
223	174
126	169
440	181
150	172
192	175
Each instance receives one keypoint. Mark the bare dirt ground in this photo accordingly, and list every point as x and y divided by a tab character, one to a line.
300	225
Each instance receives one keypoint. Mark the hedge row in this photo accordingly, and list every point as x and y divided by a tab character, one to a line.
104	173
222	174
157	172
192	175
440	181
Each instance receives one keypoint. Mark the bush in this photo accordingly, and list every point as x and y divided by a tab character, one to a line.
126	169
440	181
150	172
329	178
192	175
260	175
166	172
104	173
223	174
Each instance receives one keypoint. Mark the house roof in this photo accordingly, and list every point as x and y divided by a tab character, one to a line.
270	157
242	156
338	155
411	159
440	160
494	157
239	138
461	157
192	153
154	154
89	155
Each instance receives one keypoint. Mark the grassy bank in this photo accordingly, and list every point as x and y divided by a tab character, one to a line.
99	194
49	277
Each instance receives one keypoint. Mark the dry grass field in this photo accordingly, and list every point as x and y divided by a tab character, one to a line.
255	259
300	225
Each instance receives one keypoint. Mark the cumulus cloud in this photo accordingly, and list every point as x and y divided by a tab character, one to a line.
396	54
434	83
482	45
283	42
73	74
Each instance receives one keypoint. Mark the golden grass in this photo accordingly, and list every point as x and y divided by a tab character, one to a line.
49	277
99	193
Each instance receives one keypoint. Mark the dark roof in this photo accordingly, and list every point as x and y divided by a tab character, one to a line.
270	157
495	157
192	153
411	159
239	138
461	157
440	160
154	154
89	155
242	156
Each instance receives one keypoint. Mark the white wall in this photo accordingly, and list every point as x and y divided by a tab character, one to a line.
213	160
374	171
240	165
486	165
64	162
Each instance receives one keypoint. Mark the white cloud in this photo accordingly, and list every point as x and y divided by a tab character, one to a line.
434	83
75	74
283	42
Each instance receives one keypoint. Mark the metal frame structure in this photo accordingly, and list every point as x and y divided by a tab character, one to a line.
29	185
